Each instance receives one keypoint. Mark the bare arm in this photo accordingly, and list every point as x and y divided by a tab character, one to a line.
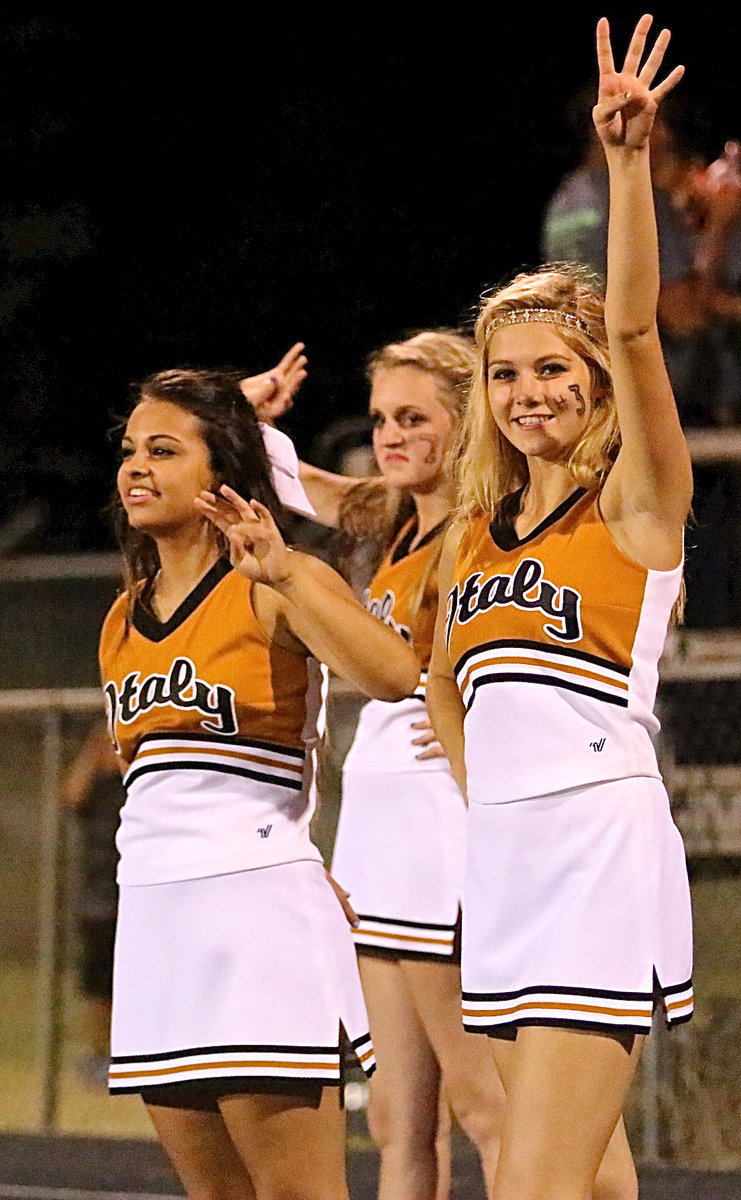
444	702
647	496
324	614
328	492
95	757
306	599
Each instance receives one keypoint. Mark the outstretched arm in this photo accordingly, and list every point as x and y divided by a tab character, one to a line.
328	492
305	600
444	703
647	496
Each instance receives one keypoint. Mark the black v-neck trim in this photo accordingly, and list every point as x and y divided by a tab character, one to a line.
401	549
502	528
145	622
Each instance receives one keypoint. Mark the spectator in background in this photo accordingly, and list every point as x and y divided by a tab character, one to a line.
709	200
93	790
697	212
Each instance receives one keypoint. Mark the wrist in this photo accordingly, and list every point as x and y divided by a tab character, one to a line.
286	584
619	155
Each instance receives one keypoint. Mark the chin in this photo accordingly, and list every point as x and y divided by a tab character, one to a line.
542	446
412	482
144	522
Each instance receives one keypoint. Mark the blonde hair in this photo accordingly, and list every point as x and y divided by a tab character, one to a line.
489	468
370	512
449	356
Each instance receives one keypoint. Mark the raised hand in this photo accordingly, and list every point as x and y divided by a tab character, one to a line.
256	547
627	103
271	393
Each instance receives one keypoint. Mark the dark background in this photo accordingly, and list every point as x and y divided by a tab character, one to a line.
210	190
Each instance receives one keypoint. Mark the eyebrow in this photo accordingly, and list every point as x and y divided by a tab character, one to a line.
542	358
402	408
153	437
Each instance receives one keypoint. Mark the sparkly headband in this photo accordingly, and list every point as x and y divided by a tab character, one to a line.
545	316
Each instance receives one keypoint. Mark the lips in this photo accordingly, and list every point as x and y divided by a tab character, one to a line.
392	458
140	495
534	421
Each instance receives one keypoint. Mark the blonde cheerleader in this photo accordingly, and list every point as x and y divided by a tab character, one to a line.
557	584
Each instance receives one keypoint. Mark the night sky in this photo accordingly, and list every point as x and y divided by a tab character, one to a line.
210	192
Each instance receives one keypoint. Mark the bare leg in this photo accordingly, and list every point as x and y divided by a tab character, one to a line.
443	1149
470	1078
616	1177
202	1153
404	1091
565	1095
292	1152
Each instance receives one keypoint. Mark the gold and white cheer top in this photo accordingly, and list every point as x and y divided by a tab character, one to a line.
210	720
555	640
402	594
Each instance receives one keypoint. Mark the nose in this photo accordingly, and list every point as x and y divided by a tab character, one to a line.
391	434
526	396
135	468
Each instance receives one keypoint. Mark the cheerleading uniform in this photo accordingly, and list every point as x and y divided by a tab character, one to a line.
234	962
400	840
576	895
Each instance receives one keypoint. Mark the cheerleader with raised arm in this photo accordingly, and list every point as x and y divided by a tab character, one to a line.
557	584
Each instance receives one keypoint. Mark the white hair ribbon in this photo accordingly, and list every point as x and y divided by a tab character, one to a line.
285	471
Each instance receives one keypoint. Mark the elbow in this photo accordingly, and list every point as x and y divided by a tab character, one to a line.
631	332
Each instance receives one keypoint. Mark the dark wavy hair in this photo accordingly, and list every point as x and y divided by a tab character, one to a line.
236	450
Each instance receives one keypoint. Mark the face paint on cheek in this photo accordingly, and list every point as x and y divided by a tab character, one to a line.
431	455
556	404
581	404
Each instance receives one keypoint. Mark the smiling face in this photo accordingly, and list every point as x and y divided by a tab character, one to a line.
412	429
539	390
165	464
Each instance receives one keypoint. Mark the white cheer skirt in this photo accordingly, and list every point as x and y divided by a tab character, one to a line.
400	852
576	912
241	976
